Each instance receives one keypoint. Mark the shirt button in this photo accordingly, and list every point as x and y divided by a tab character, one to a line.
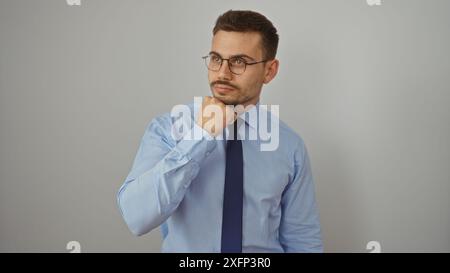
208	153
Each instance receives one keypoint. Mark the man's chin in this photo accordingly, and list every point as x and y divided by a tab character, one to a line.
226	99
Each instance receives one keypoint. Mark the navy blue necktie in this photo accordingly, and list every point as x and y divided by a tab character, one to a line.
233	197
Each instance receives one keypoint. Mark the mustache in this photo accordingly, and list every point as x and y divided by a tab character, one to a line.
224	83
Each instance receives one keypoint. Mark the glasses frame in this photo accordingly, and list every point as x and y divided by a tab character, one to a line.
229	64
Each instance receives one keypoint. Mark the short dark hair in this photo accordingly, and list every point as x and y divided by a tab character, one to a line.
250	21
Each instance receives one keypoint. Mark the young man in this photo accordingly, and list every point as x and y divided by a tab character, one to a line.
213	194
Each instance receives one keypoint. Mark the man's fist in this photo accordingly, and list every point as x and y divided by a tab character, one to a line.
214	115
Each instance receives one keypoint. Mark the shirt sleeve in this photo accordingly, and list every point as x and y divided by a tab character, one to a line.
300	227
162	171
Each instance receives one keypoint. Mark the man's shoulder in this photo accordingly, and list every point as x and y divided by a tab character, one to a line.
282	139
287	134
290	134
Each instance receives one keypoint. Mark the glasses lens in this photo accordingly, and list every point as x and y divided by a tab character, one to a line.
237	65
213	62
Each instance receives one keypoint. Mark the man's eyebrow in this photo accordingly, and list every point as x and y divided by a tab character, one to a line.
242	56
217	53
237	55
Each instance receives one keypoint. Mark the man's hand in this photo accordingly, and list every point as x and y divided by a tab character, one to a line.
214	115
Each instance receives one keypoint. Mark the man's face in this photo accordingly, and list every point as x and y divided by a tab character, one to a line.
245	88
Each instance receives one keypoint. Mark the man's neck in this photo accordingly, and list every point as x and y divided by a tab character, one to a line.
251	102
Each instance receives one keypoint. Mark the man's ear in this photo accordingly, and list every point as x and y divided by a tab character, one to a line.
271	70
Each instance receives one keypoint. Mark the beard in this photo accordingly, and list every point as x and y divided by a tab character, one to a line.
227	99
232	97
237	96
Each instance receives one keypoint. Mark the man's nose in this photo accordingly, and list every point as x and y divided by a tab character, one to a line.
224	71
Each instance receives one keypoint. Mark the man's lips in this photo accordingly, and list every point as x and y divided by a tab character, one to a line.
223	88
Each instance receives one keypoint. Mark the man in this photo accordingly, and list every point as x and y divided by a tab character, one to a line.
212	194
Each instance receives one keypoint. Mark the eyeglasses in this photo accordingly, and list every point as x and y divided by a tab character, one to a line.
237	64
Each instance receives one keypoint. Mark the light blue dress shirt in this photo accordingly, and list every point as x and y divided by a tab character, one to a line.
179	185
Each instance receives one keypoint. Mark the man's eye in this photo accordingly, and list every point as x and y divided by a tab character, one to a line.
215	59
238	61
